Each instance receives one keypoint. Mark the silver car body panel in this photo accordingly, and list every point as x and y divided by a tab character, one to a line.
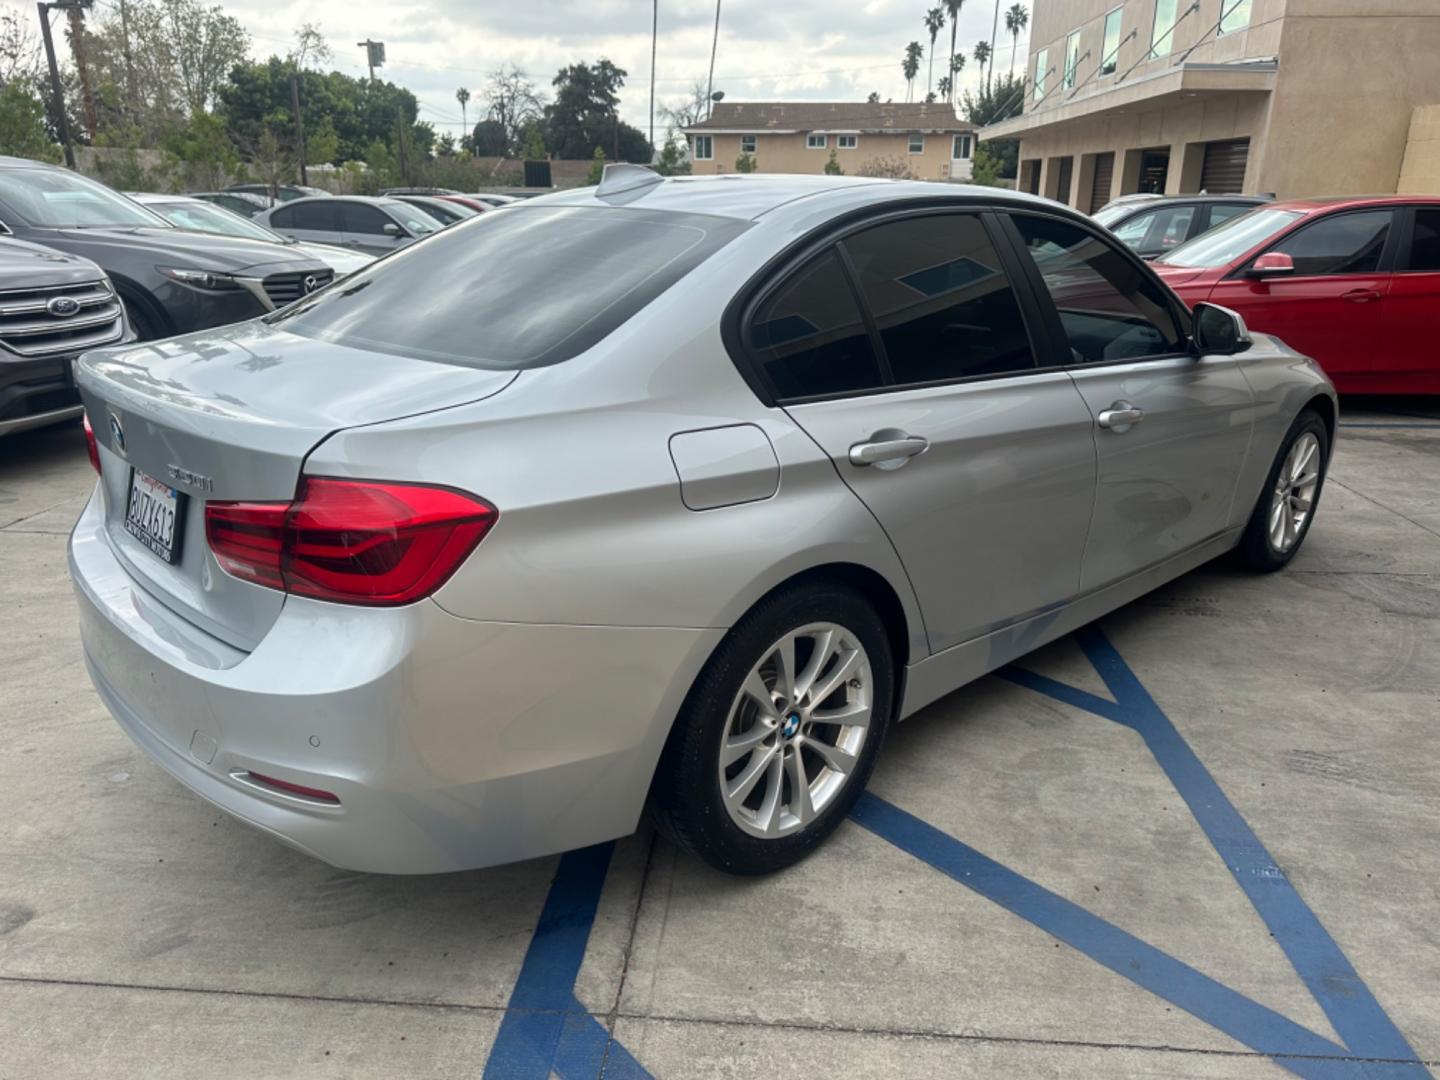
522	709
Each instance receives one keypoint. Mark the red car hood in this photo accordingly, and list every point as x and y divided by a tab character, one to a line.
1178	275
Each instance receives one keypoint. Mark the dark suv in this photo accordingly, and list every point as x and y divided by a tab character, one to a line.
52	307
170	281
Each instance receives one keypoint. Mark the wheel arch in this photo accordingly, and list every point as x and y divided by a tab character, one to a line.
1324	406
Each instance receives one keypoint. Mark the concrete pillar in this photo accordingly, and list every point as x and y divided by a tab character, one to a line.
1187	161
1127	169
1050	178
1085	181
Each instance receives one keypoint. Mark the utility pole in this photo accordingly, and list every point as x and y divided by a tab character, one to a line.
299	125
75	9
58	100
374	55
654	37
129	62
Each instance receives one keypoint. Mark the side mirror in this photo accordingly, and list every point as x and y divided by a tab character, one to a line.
391	229
1271	264
1218	331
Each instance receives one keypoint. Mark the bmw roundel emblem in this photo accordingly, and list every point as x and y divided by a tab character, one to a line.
117	434
63	306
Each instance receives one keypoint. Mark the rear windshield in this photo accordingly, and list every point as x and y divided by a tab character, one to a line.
529	287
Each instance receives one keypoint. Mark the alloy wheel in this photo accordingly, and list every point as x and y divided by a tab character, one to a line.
794	734
1293	500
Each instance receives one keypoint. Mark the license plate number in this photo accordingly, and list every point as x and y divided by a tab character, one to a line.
154	515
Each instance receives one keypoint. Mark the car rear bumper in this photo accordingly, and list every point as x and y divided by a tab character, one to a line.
450	743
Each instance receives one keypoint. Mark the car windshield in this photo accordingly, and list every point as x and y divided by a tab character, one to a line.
1225	243
569	275
413	218
59	199
203	217
1113	213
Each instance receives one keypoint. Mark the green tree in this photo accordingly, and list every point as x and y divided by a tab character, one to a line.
874	98
911	67
597	166
982	57
585	114
22	124
463	97
672	160
489	139
512	102
1016	19
745	163
985	167
832	167
201	153
533	143
998	101
952	8
944	87
934	23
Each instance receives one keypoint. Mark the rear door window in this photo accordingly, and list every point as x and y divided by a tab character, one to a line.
810	337
1425	241
532	286
322	215
1223	212
1340	244
1157	231
940	297
1109	308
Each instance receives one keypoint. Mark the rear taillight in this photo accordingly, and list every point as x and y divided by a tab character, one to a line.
90	447
351	541
318	794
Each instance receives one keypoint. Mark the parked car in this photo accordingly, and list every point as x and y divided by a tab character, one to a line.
245	203
469	201
280	192
1352	282
53	306
185	212
1153	226
494	201
419	191
717	480
358	222
169	280
445	211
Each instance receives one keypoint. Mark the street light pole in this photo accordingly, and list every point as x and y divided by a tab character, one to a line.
58	94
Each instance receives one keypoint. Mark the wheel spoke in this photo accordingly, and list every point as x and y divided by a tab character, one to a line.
785	668
1277	523
755	689
800	804
1302	454
743	784
768	816
737	746
828	683
839	760
825	646
851	714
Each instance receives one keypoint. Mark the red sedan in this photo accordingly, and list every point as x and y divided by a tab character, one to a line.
1353	283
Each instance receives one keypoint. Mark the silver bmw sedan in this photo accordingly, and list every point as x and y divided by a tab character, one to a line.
673	493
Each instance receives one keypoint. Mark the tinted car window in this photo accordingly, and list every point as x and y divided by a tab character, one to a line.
572	275
810	336
1342	244
416	221
323	216
1425	244
1109	308
1158	230
940	299
362	218
1222	212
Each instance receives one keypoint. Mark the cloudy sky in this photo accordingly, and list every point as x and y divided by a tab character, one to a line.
803	50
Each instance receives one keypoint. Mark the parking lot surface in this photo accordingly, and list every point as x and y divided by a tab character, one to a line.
1196	840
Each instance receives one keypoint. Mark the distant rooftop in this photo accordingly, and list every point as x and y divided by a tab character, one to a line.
862	117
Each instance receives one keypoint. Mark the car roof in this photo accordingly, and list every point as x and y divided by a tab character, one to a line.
751	196
147	197
1341	202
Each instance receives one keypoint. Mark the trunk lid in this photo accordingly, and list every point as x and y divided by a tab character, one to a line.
231	414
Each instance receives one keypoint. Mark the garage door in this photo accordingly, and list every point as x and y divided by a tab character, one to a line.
1104	175
1224	170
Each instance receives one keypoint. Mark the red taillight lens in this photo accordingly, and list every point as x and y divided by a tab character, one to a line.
286	786
352	541
90	447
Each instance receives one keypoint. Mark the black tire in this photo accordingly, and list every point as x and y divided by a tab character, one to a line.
687	803
1257	551
140	321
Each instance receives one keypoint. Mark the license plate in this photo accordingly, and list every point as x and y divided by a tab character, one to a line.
154	514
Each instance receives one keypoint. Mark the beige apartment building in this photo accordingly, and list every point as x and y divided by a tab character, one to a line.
799	137
1294	97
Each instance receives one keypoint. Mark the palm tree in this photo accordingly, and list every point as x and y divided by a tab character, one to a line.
463	97
953	8
934	22
982	56
911	67
994	30
956	63
714	44
944	87
1016	19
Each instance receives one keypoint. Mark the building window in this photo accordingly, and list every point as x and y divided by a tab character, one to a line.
847	142
1041	59
815	142
1162	38
704	148
917	144
1234	15
1111	44
747	144
961	148
1072	59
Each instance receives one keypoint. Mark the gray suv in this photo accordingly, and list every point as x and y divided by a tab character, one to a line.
170	281
372	226
52	307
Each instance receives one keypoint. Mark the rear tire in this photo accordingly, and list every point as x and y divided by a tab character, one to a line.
1286	507
763	765
143	325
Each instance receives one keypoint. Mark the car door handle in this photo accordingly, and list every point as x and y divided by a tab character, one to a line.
1120	416
1360	296
888	448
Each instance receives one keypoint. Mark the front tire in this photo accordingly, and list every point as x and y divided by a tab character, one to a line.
1286	507
780	732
